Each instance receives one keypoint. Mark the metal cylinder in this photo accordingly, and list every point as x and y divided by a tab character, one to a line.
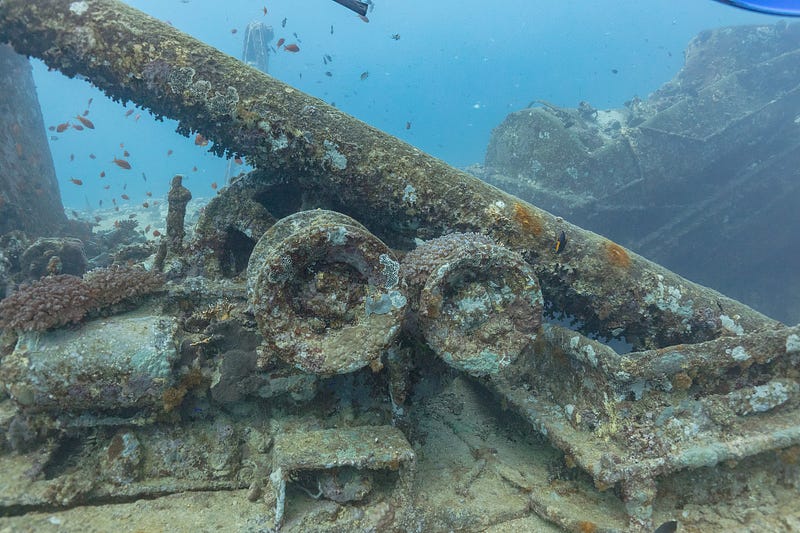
478	304
326	293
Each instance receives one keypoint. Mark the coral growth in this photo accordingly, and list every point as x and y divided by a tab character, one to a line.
55	301
111	285
419	263
527	219
48	303
617	255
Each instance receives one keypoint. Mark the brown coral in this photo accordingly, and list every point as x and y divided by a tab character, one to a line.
46	303
109	286
55	301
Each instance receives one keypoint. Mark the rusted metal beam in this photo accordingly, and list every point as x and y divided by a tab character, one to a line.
395	189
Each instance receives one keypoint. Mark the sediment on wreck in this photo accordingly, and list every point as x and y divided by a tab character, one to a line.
397	191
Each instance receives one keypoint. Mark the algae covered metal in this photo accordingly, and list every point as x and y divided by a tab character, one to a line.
352	374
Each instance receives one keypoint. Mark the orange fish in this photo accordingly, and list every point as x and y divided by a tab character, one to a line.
199	140
76	181
77	127
61	127
280	42
121	163
124	196
156	233
137	117
291	48
129	112
237	160
86	122
214	185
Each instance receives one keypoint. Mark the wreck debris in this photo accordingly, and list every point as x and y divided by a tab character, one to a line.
326	293
479	304
362	448
399	192
178	197
628	419
108	366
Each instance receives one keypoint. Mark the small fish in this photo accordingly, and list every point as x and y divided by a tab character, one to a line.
125	187
156	233
238	160
328	57
364	75
100	203
72	157
97	219
331	29
614	71
283	22
144	176
62	127
89	103
234	31
147	228
76	181
114	201
148	194
265	10
670	526
199	140
86	122
121	163
328	73
52	128
324	61
169	153
102	173
124	196
396	36
126	154
291	48
92	156
77	127
364	18
85	112
145	205
408	125
106	187
194	169
137	117
122	145
561	242
295	35
280	42
129	112
214	185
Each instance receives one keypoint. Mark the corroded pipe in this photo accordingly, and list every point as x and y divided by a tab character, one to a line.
396	190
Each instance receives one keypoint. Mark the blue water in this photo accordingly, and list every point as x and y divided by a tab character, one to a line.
457	70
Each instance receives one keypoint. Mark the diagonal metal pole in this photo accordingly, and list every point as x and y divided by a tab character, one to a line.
395	189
